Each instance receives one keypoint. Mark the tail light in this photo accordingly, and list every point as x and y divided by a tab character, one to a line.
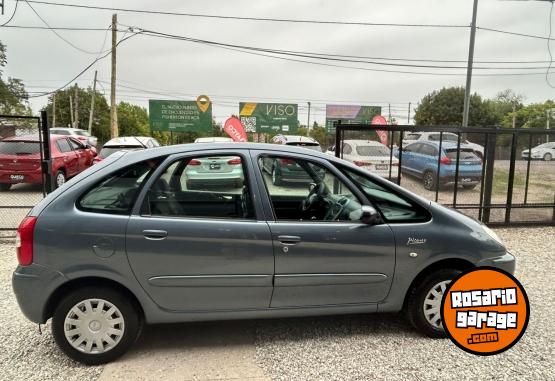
235	161
24	241
194	162
445	160
287	161
359	163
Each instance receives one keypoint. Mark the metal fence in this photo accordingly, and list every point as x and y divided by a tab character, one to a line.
504	187
19	170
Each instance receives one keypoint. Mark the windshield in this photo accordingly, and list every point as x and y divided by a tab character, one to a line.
15	147
82	133
466	154
373	151
312	146
412	137
107	151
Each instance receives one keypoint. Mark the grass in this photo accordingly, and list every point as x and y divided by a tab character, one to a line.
538	188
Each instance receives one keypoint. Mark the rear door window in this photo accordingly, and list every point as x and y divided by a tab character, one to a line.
63	145
14	147
428	150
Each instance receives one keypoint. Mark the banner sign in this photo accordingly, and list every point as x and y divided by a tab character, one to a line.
348	114
180	116
235	130
382	134
269	117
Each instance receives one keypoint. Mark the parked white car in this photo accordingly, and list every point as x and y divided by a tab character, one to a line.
412	137
370	155
545	151
78	133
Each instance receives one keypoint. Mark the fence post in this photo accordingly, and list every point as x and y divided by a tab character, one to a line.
511	179
47	157
488	184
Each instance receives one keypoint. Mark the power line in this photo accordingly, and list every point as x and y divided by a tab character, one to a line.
70	28
516	33
245	18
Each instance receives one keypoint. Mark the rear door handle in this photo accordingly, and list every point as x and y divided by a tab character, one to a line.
289	240
155	234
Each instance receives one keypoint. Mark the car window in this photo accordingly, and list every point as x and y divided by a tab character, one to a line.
301	190
202	186
116	193
373	151
413	147
63	145
347	149
107	151
465	154
19	147
59	132
426	149
447	137
74	145
412	136
394	207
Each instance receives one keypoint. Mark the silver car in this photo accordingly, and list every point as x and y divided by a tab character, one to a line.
127	243
78	133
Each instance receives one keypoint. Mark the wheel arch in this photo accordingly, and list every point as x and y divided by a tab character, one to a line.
75	284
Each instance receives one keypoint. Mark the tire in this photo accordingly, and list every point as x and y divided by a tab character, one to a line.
421	293
59	179
88	300
547	157
276	178
469	187
429	180
5	187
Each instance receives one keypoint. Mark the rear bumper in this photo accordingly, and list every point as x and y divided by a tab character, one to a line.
463	179
29	177
505	262
33	285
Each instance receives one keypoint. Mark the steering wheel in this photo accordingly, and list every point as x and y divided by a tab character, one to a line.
336	210
316	194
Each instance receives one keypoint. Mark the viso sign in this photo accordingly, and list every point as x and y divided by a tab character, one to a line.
269	117
350	114
180	116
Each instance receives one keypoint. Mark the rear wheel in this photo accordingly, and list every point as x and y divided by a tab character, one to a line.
547	157
276	178
429	180
95	325
424	302
5	187
59	179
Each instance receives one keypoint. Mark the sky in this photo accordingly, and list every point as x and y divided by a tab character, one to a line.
159	68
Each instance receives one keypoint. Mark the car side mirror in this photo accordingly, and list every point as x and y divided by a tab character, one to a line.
369	215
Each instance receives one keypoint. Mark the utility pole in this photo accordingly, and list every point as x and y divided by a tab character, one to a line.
308	121
466	107
76	107
92	102
53	110
514	113
113	111
408	117
71	110
389	113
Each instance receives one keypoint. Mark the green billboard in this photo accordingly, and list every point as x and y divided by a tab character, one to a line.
349	114
269	117
180	116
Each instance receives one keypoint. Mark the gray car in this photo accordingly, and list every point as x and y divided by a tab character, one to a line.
127	243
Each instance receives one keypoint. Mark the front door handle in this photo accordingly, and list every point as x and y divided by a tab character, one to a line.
289	240
155	234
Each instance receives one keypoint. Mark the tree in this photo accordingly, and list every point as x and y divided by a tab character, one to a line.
101	119
445	107
507	102
318	133
13	97
532	116
132	120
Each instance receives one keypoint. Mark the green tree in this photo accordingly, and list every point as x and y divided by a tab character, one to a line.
532	116
318	133
506	103
13	97
132	120
445	107
101	118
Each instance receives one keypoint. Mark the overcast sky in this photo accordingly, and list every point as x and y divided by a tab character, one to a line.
184	69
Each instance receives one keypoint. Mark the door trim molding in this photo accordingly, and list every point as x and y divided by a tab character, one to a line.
295	280
257	280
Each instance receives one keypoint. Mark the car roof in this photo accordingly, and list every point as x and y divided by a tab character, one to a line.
445	144
32	138
363	142
213	139
128	140
67	129
296	138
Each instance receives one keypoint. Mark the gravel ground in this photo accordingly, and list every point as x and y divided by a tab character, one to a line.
385	347
331	348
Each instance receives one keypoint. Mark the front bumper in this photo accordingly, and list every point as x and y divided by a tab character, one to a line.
505	262
33	285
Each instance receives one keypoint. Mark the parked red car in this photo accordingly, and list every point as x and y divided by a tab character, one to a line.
20	159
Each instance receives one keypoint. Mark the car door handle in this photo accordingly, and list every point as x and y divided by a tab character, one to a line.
289	240
155	234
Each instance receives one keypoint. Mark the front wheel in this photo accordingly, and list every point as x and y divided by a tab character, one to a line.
429	180
424	302
95	325
59	179
547	157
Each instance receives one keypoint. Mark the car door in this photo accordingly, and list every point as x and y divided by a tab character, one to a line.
408	160
83	154
69	157
202	248
321	260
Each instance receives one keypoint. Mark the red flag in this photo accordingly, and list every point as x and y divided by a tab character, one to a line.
382	134
234	128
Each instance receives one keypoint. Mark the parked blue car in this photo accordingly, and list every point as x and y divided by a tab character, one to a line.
420	159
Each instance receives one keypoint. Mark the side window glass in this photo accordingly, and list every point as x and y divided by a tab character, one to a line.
202	186
63	145
117	193
74	145
393	207
301	190
347	149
